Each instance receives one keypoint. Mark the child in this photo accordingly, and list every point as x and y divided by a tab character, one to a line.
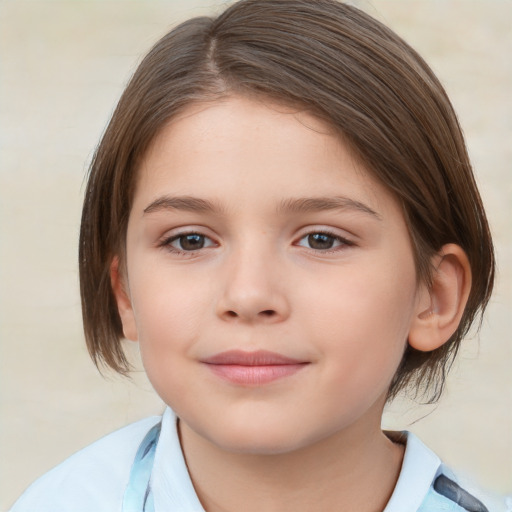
282	213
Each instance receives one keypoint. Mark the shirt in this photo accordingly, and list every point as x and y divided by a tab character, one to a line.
95	478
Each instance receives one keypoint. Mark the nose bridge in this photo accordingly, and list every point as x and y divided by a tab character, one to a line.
251	288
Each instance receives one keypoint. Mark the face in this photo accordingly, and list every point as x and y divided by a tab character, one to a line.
269	279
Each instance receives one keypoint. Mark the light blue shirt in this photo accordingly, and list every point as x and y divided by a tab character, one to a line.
99	477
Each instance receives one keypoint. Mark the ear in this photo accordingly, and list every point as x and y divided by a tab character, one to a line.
124	305
440	307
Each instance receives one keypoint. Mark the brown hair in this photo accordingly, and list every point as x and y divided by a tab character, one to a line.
338	63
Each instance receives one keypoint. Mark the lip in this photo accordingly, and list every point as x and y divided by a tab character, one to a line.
253	368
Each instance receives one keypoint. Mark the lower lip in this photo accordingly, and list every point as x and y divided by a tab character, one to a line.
254	375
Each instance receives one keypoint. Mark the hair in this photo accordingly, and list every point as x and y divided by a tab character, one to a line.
348	69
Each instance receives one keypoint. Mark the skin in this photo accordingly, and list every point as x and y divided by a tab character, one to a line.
258	278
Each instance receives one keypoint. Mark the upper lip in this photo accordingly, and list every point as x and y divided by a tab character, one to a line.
256	358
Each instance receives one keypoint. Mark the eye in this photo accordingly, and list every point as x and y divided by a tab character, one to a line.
323	241
187	242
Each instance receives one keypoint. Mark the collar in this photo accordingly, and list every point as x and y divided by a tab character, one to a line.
170	482
420	468
173	488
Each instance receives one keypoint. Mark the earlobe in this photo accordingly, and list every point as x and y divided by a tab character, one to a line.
124	305
441	306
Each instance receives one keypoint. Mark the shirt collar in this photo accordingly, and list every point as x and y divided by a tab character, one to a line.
170	482
419	469
173	488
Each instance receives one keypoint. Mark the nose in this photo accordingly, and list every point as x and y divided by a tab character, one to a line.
253	291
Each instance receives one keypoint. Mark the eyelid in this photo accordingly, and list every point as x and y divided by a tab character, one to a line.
345	241
189	229
335	232
166	240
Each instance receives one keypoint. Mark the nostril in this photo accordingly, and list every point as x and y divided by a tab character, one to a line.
264	314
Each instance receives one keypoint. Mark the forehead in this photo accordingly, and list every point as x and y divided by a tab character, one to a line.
245	148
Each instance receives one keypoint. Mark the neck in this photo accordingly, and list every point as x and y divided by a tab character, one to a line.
355	469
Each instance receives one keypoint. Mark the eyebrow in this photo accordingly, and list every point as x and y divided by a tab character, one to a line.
292	205
184	203
315	204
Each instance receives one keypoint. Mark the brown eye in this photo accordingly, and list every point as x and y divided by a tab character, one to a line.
191	242
321	241
188	242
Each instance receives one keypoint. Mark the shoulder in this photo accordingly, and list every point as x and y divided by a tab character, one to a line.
92	479
447	494
427	485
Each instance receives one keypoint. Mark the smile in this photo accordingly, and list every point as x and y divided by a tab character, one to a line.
253	368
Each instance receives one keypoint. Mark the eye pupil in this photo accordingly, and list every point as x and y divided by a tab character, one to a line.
320	241
192	242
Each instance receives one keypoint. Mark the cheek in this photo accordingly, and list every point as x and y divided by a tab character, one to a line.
380	301
362	324
165	298
169	315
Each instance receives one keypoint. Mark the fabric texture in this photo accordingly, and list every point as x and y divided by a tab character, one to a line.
145	460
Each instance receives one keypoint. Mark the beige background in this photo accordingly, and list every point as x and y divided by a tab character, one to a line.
63	66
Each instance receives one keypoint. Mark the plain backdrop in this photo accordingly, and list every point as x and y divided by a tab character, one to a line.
63	65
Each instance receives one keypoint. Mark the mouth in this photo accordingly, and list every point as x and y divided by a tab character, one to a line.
253	368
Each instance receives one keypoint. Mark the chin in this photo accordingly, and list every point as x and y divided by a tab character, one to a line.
260	446
261	440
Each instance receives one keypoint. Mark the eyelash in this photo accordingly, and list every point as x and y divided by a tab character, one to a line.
343	242
167	242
